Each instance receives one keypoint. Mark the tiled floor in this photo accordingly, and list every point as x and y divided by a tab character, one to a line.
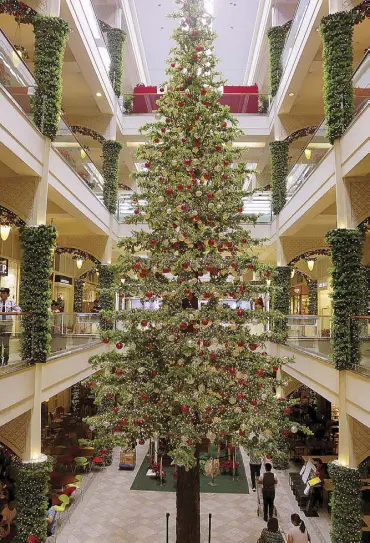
111	513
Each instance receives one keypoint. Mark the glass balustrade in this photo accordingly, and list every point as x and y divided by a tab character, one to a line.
258	205
15	77
239	103
293	32
78	158
69	331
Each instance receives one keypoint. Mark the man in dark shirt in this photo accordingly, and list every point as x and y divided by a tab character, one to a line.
268	481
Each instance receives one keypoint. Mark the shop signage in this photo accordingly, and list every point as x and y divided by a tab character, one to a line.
297	291
4	266
63	279
324	284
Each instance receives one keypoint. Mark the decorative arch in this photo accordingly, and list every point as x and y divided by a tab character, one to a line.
309	254
22	13
86	131
10	218
301	133
77	254
361	12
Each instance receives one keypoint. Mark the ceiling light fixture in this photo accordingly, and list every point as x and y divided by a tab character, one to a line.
79	263
310	264
308	153
98	94
291	94
292	273
4	231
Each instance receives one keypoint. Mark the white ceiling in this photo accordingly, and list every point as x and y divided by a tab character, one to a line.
234	24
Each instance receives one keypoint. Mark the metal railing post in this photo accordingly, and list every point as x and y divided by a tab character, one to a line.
167	522
209	527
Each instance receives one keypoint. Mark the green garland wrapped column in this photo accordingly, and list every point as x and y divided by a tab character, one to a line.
336	32
281	300
312	297
347	283
276	36
77	298
116	39
279	170
51	34
111	151
38	243
106	293
346	517
32	504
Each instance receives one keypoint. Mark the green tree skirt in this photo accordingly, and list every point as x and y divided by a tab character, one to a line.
224	483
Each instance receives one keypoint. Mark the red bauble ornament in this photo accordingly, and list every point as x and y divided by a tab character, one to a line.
119	345
204	322
260	373
240	343
199	48
154	373
226	162
108	396
180	187
144	323
180	104
141	442
116	409
184	408
285	433
275	368
148	294
183	140
169	191
106	340
232	371
250	267
189	442
156	140
254	402
287	411
240	312
212	356
234	265
166	270
183	326
242	433
185	265
195	57
104	451
145	397
240	210
229	244
187	162
147	165
253	346
211	242
136	212
124	422
210	195
242	288
119	372
168	121
218	148
153	241
163	130
173	64
244	240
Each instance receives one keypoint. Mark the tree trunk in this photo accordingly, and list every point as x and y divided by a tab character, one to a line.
188	506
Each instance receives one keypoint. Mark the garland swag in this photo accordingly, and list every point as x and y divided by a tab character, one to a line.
51	34
116	39
346	513
281	299
31	495
106	293
276	36
110	170
78	292
279	170
336	32
38	245
347	295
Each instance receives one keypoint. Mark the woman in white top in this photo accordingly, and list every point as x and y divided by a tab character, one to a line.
298	533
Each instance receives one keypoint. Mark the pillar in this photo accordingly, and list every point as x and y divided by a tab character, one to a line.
346	455
53	8
40	201
33	447
338	5
343	199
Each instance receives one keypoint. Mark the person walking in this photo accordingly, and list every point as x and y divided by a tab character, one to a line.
298	533
255	463
271	534
6	324
268	480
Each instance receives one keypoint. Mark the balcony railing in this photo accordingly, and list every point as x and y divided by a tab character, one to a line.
253	103
293	32
318	146
257	205
311	334
70	332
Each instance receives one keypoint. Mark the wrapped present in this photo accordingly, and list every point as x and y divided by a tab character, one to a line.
127	459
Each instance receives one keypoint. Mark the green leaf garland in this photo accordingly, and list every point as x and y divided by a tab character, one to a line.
279	170
281	300
347	295
336	32
51	34
346	514
116	39
312	297
38	245
110	170
276	36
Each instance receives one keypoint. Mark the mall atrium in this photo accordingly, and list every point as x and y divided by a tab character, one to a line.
184	271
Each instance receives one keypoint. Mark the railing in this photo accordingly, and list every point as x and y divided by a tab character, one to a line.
15	77
293	32
258	204
239	103
68	146
318	146
311	334
70	331
99	36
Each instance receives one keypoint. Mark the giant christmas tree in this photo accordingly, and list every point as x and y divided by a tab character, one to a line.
194	368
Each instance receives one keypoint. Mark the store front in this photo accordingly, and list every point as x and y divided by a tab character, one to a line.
63	292
299	299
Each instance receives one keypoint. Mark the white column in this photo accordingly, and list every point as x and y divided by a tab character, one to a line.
338	5
344	210
346	455
53	8
33	448
280	255
40	201
107	258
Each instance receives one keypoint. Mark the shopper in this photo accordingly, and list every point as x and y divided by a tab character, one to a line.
255	463
271	534
6	306
317	497
4	527
51	518
298	533
9	512
268	480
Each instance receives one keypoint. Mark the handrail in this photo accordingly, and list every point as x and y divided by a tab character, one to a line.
361	317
